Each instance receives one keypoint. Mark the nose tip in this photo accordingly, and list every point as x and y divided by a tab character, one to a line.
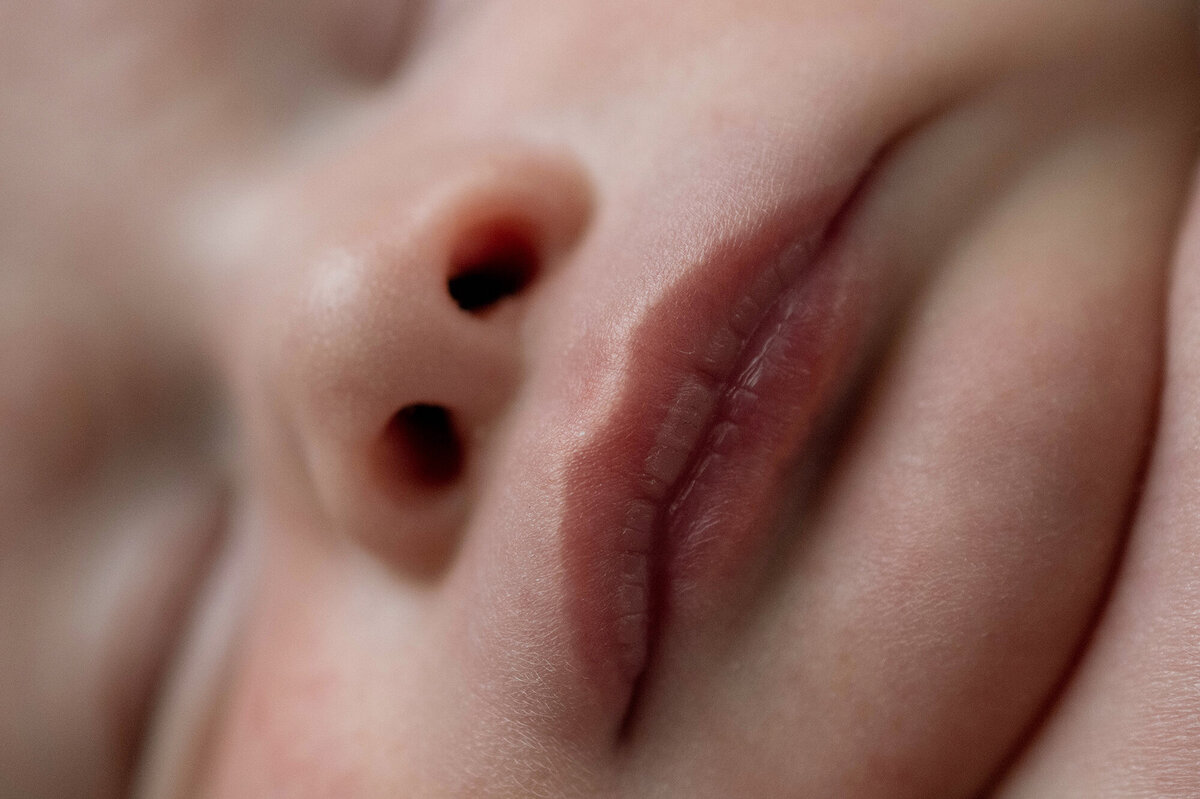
403	349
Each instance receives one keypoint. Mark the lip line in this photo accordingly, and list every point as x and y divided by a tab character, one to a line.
749	367
678	544
630	475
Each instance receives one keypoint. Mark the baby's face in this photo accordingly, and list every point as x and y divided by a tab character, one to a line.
601	398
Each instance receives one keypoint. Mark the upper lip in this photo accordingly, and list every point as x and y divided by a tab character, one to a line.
726	377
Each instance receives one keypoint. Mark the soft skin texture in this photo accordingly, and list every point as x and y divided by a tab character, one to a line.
1128	723
226	570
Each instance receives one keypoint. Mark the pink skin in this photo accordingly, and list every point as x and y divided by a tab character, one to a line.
1128	723
798	462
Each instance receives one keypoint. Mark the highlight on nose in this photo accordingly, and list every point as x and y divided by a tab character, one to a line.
404	351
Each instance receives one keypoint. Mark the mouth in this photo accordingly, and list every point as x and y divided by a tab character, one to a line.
723	386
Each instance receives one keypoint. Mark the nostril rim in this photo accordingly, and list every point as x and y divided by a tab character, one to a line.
422	440
492	264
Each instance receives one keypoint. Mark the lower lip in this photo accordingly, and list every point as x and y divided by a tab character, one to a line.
725	381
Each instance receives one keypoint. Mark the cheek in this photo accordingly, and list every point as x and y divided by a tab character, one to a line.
993	469
920	611
326	672
350	683
967	534
977	507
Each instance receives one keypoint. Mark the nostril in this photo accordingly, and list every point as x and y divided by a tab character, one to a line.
492	264
420	440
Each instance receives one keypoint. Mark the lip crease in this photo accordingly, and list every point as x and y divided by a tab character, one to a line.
725	379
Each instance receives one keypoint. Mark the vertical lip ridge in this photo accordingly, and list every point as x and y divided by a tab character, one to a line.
631	478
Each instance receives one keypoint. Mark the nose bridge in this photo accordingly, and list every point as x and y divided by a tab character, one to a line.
402	348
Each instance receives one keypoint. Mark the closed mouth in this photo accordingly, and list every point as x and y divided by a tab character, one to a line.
725	380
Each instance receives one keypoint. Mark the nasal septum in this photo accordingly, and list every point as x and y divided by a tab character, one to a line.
401	348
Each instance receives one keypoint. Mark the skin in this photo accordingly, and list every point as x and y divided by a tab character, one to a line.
227	233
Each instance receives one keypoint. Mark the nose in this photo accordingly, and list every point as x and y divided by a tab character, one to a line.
403	350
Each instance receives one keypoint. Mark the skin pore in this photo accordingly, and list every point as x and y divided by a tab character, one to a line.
821	423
